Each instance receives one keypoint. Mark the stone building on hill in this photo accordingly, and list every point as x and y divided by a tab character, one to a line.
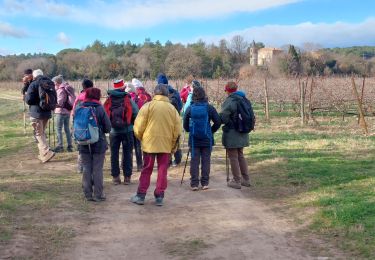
262	56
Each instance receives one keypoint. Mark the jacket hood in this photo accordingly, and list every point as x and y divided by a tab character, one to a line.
162	79
240	93
117	93
90	103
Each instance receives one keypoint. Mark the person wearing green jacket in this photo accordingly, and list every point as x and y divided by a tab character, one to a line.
232	140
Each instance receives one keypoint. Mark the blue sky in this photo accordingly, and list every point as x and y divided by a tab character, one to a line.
31	26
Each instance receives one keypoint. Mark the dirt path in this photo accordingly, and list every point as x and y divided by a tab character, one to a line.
220	223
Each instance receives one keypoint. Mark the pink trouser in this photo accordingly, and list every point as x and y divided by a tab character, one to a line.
148	165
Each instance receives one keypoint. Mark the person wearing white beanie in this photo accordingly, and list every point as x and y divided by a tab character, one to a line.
137	83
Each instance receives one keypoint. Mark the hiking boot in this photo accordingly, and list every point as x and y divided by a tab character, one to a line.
245	183
205	187
116	180
234	185
99	199
58	149
139	168
89	198
137	199
69	149
159	201
194	188
174	164
48	156
127	181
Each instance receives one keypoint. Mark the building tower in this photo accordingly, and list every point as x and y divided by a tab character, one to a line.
253	54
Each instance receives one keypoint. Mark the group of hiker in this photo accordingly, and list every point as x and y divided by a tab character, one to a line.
149	124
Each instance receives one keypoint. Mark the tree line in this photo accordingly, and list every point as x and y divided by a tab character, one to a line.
226	59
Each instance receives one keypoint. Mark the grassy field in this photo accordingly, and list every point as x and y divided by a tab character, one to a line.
323	177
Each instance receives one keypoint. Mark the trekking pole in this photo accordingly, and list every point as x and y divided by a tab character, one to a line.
53	129
24	116
226	164
183	138
183	174
49	133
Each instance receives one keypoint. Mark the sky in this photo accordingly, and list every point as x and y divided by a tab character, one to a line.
34	26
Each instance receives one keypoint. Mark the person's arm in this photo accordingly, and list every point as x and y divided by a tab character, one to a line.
32	95
135	110
176	132
187	119
140	122
104	119
215	119
226	112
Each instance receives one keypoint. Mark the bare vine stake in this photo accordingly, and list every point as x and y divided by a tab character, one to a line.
266	99
302	92
362	121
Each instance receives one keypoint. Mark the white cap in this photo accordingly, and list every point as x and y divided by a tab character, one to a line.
37	73
137	83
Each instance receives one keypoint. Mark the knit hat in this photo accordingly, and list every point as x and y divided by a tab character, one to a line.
129	87
137	83
28	72
195	83
37	73
86	83
93	93
58	79
118	83
231	87
162	79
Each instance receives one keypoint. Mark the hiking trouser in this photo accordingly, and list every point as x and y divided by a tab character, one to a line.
126	140
92	174
238	164
138	152
148	165
39	126
62	120
177	156
201	155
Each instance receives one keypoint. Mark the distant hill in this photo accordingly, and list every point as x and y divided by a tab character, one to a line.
365	52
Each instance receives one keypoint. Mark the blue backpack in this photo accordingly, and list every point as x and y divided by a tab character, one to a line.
85	125
200	128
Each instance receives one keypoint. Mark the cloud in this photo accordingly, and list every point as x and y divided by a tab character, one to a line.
338	34
8	30
63	38
4	52
138	13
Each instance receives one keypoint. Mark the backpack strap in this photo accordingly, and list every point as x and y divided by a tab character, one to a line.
129	110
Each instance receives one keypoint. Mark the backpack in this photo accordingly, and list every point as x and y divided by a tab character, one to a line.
200	127
119	111
244	121
142	97
174	98
47	94
70	97
85	125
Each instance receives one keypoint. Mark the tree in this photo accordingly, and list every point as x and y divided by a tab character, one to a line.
239	48
182	62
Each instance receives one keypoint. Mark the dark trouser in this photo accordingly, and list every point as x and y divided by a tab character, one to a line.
138	152
92	174
126	139
238	164
177	156
201	155
148	166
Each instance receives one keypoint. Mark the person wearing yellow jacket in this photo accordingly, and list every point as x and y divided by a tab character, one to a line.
158	127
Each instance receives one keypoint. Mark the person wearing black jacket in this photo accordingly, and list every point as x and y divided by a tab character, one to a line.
201	147
39	117
93	155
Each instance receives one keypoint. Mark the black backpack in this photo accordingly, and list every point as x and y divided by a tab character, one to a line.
47	94
119	111
244	121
